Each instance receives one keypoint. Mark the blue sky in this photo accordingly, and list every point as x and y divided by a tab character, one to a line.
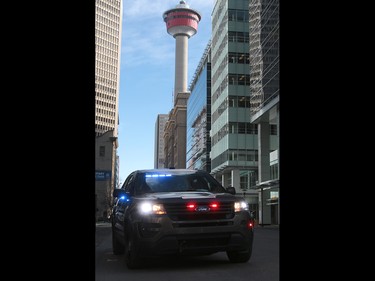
147	74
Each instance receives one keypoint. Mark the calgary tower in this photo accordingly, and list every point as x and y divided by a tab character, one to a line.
182	23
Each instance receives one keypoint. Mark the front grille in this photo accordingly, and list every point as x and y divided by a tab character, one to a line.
179	212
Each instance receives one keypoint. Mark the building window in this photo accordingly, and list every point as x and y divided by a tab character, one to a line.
273	129
101	151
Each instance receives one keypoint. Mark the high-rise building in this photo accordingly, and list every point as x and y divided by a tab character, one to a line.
182	23
108	28
264	101
159	141
198	123
234	140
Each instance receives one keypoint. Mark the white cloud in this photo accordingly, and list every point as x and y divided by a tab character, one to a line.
139	10
144	36
146	45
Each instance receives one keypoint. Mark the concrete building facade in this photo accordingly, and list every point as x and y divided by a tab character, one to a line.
108	29
175	134
106	172
159	159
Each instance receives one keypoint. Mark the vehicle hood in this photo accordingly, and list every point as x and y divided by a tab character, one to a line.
187	195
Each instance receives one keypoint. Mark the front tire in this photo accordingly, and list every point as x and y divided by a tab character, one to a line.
117	247
239	257
132	258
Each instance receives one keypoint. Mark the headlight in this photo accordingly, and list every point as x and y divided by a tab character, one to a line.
151	208
240	206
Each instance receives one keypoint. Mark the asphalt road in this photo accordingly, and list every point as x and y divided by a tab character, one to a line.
263	266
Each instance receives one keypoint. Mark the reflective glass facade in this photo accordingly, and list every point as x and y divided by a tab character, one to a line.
264	52
198	123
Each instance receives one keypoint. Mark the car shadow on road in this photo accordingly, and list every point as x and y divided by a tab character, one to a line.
184	262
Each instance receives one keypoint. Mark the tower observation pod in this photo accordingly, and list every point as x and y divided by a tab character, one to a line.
182	23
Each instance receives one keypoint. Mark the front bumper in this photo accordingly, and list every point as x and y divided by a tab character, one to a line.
162	236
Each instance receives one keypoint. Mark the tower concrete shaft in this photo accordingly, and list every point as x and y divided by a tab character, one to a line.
182	23
181	64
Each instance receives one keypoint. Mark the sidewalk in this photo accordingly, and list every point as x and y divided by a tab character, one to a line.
270	226
103	224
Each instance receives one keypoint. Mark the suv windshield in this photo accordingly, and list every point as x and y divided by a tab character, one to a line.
169	182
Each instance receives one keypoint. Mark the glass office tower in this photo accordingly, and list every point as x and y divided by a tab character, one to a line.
198	123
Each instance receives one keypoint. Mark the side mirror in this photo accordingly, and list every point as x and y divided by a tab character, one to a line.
231	190
117	192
